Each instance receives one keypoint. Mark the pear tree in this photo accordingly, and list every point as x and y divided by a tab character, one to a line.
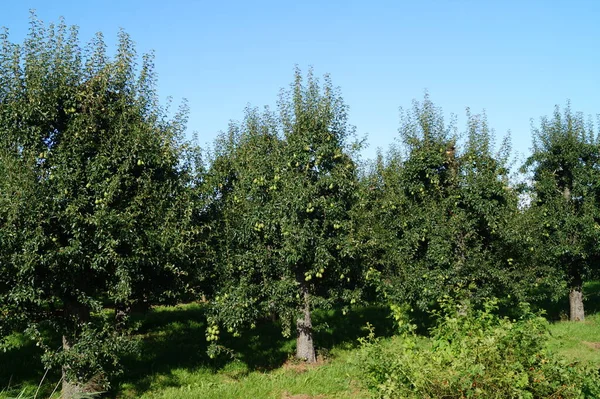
288	182
439	213
565	191
95	201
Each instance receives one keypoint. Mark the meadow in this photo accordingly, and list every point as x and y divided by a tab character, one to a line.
173	363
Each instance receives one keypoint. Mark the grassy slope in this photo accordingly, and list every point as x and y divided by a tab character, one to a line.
173	363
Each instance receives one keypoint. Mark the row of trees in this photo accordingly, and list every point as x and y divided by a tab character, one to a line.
442	219
105	207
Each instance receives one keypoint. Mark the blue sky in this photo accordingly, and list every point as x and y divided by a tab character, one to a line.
515	59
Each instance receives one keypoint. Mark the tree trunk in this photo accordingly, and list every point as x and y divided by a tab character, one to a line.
567	193
74	314
576	303
305	347
70	389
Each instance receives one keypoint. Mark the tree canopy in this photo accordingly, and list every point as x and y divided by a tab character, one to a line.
440	219
565	190
95	206
287	182
106	207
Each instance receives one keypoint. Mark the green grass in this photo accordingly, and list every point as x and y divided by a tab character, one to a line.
577	341
173	362
336	378
21	369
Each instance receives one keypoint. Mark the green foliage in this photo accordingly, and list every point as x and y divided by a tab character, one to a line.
476	355
96	355
434	219
283	185
95	194
565	198
104	207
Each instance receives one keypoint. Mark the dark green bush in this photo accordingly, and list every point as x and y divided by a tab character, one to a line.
475	354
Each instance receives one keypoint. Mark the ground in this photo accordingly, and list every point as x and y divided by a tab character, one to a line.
173	362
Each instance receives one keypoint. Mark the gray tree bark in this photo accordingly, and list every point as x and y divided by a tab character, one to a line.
70	389
73	389
305	347
122	313
576	310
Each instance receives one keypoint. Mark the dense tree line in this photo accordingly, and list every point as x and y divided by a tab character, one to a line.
105	207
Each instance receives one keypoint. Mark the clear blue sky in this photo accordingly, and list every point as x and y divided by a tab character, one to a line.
515	59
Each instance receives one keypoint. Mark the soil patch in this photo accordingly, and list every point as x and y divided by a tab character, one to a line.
300	396
593	345
300	367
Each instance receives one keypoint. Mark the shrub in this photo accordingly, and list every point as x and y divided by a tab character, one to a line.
475	354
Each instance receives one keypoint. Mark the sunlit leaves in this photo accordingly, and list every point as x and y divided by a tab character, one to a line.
96	193
284	183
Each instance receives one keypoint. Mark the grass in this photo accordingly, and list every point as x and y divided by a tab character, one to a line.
336	378
577	341
21	369
173	361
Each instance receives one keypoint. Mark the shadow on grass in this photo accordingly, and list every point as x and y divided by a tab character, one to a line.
592	297
21	369
334	329
174	338
171	338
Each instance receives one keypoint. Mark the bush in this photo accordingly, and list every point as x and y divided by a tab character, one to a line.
475	354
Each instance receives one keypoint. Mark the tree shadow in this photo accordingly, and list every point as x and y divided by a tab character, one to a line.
21	369
559	309
174	338
336	329
170	338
